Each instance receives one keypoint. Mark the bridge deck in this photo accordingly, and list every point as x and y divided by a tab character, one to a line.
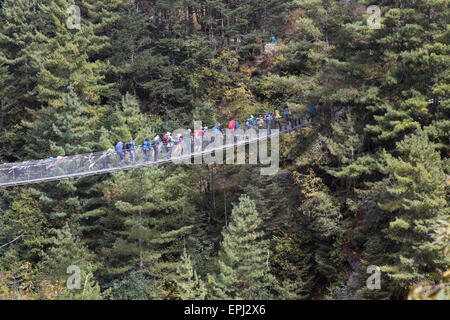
29	172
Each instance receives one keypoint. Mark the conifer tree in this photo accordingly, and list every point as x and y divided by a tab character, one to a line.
416	45
345	144
22	214
64	132
319	225
243	257
190	286
19	65
67	250
41	56
417	202
292	266
149	218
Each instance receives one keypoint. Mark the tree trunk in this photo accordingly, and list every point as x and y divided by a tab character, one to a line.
141	264
225	199
213	193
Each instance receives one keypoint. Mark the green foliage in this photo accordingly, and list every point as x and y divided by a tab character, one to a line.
243	257
132	286
417	202
292	267
60	134
190	286
150	219
366	184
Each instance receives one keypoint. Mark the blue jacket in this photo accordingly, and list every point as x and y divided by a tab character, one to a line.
155	143
217	128
119	146
146	146
313	109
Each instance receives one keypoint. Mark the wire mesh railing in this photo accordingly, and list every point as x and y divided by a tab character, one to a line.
58	168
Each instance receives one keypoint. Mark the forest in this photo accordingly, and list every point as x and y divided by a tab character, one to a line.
365	187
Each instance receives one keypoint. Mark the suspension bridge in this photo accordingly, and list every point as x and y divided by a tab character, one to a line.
52	169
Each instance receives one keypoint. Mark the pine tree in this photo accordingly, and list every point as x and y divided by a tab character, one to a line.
190	286
22	214
67	60
319	225
67	250
293	268
243	257
418	76
344	144
55	134
41	56
149	214
60	133
19	66
417	202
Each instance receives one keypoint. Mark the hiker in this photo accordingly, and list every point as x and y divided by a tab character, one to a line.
127	149
232	124
146	147
198	138
312	112
168	143
187	135
119	151
272	40
177	144
277	119
155	146
268	119
260	122
287	116
204	137
294	118
217	128
188	141
250	122
217	132
133	149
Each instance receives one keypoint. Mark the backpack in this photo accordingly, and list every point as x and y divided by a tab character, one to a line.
236	125
166	138
231	124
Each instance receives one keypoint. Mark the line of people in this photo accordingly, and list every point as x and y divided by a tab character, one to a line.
131	152
272	119
127	150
